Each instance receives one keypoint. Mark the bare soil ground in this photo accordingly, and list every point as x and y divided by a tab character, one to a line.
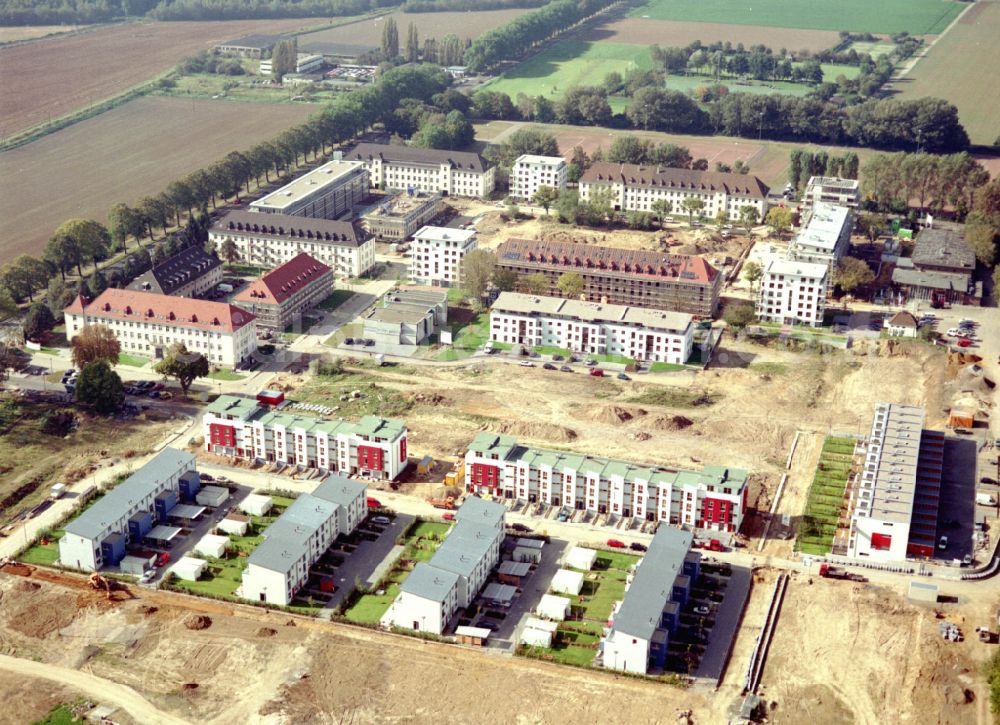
30	32
53	77
368	32
647	31
122	155
34	698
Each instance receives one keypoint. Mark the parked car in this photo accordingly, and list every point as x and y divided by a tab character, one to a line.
166	395
563	515
549	366
953	331
986	479
623	376
702	610
154	394
597	372
526	364
565	369
222	479
163	559
488	624
449	516
943	543
591	362
521	527
206	476
349	341
158	386
616	544
381	520
557	358
374	503
369	342
964	342
636	546
147	576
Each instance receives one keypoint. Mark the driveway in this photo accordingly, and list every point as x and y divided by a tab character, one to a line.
532	589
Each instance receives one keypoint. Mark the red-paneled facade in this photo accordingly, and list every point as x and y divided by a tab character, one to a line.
716	511
222	435
369	458
485	476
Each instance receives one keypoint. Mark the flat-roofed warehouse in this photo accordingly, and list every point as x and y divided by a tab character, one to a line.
619	276
408	316
250	46
327	192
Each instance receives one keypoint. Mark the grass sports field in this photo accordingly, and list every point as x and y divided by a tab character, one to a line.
954	70
122	155
917	17
672	34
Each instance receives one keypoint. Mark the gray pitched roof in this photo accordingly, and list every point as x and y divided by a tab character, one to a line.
173	273
285	539
284	226
480	511
429	582
114	504
339	490
465	547
652	586
464	160
943	246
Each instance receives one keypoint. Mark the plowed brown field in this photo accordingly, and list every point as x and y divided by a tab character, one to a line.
122	155
55	76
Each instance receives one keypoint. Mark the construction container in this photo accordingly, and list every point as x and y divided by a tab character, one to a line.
212	496
135	565
270	397
139	524
113	549
162	504
190	485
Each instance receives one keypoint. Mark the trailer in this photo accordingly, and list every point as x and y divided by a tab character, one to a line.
829	571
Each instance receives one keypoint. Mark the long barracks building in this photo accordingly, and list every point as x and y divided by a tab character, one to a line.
629	277
714	498
373	448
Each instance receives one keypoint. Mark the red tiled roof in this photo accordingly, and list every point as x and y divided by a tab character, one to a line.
76	305
903	319
282	282
124	304
680	179
589	257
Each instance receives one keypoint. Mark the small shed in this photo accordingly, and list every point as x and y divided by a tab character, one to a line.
530	543
189	568
538	632
500	595
580	558
135	565
270	397
212	496
552	607
523	554
923	592
961	417
512	572
472	635
567	581
234	524
902	324
256	504
212	545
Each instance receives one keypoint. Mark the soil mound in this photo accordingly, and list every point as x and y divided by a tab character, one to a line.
266	632
672	422
198	621
537	430
612	414
24	586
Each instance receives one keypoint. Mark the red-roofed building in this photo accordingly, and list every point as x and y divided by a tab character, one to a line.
631	277
281	296
636	188
146	324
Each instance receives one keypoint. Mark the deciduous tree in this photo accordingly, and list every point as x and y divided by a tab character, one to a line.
182	365
100	387
779	218
545	197
535	283
739	315
95	342
852	273
692	206
570	284
38	321
749	216
477	271
752	273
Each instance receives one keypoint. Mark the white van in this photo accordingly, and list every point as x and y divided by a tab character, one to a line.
986	499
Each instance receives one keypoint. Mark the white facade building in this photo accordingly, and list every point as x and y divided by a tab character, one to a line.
793	293
636	188
279	567
894	505
714	498
437	254
831	190
825	237
434	591
97	536
327	192
146	324
589	327
372	447
531	172
453	173
304	63
272	240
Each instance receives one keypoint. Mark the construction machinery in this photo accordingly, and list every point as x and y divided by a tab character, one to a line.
442	503
829	571
108	585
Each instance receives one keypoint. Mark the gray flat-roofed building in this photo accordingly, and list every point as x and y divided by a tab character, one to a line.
80	547
250	46
401	215
408	316
649	613
327	192
188	273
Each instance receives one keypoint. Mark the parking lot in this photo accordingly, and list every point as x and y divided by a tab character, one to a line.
957	508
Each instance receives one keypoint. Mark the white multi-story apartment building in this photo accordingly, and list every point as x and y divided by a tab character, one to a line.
97	537
793	293
831	190
635	188
373	448
274	239
327	192
589	327
825	237
713	498
531	172
279	567
304	63
437	254
894	505
434	591
146	324
650	612
453	173
279	297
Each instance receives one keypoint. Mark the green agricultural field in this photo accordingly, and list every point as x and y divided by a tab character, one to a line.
826	496
918	17
572	62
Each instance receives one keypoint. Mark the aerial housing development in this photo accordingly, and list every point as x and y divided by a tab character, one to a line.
453	173
531	172
326	192
437	254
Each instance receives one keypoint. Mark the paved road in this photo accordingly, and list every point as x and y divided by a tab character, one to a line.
102	690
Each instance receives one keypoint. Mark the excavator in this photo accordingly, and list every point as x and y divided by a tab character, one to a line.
108	585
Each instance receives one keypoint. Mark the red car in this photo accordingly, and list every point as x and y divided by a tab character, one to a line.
616	544
374	503
163	559
964	342
597	372
448	516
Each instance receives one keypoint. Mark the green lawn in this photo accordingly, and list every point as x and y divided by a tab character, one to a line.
221	578
226	375
59	715
662	367
620	359
874	49
571	62
336	299
917	17
455	295
467	338
133	361
43	555
245	270
543	350
826	495
370	607
353	329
